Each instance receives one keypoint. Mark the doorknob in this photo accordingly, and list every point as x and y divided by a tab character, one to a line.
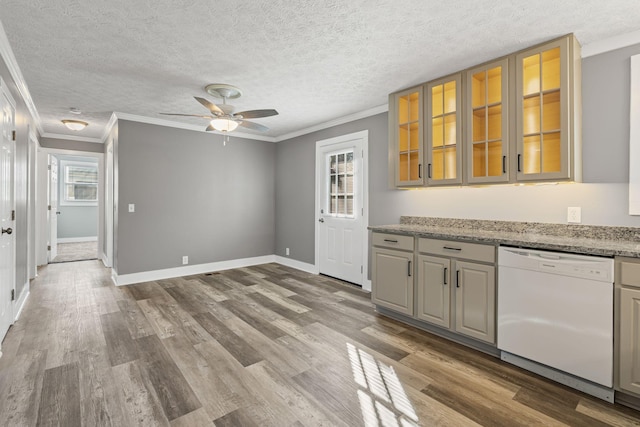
7	230
321	220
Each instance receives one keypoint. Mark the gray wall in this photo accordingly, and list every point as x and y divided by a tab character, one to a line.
193	196
67	144
77	221
603	195
23	122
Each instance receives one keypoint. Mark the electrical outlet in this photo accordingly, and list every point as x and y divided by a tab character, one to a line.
574	215
185	260
132	207
286	251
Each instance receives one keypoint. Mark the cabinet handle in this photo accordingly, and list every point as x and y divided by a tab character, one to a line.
457	278
420	171
409	269
390	241
519	157
504	164
429	170
449	248
446	270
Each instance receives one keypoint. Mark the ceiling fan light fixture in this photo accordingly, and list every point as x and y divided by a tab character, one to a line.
75	124
224	125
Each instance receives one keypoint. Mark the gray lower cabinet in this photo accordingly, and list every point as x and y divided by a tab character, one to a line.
456	287
392	275
628	298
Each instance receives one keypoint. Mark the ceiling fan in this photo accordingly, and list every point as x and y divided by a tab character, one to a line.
222	117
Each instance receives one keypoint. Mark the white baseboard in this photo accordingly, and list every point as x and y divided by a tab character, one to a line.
105	261
77	239
22	300
298	265
366	286
187	270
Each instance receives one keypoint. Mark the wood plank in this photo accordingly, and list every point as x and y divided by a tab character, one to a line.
121	348
60	398
235	345
173	391
135	319
250	317
563	411
235	419
197	418
21	388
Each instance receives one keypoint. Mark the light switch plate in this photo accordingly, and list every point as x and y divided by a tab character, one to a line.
574	215
132	207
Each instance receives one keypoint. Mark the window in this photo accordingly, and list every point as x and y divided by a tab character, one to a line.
341	184
79	183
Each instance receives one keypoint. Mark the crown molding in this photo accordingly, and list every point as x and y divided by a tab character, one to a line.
70	137
107	129
12	64
612	43
179	125
331	123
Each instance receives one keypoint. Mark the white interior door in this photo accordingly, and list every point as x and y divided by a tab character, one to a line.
7	216
53	207
109	207
341	228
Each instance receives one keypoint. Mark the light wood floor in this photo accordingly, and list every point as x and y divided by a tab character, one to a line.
260	346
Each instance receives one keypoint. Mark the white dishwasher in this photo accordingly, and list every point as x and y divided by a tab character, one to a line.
556	309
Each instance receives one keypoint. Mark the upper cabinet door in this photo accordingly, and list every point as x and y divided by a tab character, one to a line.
444	153
546	126
487	118
406	122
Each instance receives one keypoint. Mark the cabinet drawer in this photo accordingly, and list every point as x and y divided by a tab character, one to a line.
472	251
630	273
395	241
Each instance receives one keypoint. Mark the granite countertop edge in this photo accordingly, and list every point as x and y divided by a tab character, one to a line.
586	246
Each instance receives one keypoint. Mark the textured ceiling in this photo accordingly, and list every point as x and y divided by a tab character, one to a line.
313	61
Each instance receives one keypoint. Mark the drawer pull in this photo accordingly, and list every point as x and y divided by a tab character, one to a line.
449	248
390	241
446	270
409	269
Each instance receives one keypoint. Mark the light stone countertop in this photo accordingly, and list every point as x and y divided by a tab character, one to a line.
610	241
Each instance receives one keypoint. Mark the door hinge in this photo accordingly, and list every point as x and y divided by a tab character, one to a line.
13	215
13	294
361	269
49	207
13	135
49	167
49	247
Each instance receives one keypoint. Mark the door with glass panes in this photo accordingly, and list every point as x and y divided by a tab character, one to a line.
341	235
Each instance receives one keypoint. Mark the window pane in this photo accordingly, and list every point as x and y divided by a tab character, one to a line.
83	174
82	192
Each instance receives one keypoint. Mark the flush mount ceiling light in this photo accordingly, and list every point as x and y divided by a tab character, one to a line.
75	124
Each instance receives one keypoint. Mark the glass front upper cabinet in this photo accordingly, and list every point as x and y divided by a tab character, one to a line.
407	128
546	124
444	154
487	117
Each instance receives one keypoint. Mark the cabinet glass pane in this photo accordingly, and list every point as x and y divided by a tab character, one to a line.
531	154
450	97
531	115
450	163
478	91
403	138
551	111
403	109
495	158
415	162
495	122
494	85
479	124
450	129
531	74
403	167
414	136
437	168
479	160
551	152
414	106
436	101
437	132
551	69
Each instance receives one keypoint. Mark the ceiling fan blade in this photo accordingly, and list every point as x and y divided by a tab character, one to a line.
187	115
254	126
256	114
209	105
209	129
